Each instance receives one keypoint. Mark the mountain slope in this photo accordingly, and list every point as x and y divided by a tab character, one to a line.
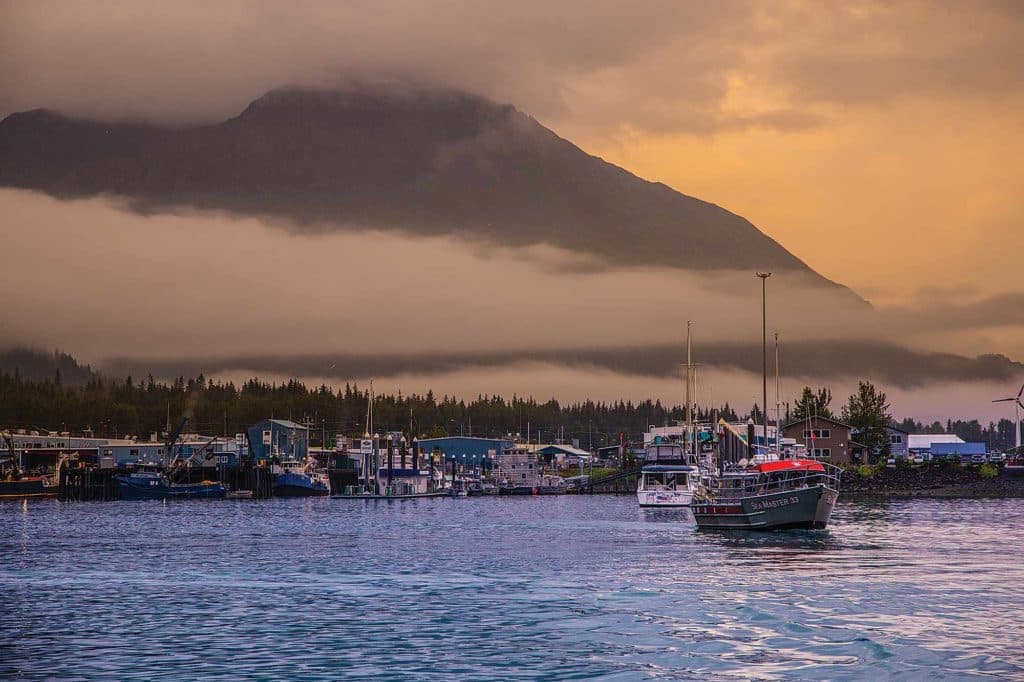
426	163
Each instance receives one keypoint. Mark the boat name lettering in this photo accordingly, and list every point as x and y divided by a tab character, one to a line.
772	504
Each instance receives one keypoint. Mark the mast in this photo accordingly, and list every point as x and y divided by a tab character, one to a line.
778	403
764	352
689	392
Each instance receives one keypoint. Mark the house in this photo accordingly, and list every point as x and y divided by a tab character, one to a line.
825	439
899	441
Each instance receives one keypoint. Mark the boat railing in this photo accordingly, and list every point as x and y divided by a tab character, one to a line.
740	484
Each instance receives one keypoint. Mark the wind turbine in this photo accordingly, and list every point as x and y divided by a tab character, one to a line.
1017	405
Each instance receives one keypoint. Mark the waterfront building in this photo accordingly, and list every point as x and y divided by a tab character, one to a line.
467	450
962	450
279	438
922	444
825	439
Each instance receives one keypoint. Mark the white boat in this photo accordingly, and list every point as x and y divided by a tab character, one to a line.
670	473
667	485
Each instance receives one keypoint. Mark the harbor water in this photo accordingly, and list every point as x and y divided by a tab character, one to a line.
505	588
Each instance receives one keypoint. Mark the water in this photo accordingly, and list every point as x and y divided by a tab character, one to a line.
552	588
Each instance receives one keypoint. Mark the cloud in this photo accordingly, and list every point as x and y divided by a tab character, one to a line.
654	66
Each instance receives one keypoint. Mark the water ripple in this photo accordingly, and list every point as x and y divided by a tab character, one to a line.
484	589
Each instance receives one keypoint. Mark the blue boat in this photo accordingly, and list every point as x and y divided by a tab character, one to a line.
295	480
144	485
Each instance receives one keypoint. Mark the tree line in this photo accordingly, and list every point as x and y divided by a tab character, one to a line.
73	397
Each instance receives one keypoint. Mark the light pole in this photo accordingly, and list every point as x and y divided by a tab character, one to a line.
764	351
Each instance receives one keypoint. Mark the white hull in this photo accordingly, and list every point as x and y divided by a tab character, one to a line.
665	498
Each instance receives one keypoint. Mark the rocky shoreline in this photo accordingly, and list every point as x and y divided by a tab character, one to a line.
966	482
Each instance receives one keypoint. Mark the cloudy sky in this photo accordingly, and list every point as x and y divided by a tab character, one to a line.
873	140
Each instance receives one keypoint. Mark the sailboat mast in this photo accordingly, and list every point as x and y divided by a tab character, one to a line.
764	353
689	387
778	403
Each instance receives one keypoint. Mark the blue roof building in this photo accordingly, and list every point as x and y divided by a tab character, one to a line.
278	437
467	450
958	449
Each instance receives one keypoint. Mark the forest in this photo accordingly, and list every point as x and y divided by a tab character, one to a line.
35	394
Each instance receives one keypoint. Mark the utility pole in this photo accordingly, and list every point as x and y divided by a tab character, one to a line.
764	351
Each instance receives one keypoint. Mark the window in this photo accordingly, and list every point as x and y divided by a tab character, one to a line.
826	433
896	439
818	433
822	453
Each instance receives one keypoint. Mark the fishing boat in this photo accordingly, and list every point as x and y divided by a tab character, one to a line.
296	479
157	484
772	495
151	485
16	484
754	487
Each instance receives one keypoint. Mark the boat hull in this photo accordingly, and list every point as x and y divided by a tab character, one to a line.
522	490
664	498
131	490
26	487
809	507
297	490
410	496
1014	470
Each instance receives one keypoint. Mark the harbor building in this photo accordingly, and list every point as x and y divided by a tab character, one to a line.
962	450
825	439
467	450
922	444
279	438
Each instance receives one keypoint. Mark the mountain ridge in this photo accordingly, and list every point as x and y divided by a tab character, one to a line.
431	163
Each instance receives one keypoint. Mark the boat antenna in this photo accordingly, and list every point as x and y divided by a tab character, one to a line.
764	351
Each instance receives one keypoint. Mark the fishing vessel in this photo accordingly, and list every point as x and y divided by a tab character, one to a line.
16	484
161	485
147	485
769	495
297	479
754	487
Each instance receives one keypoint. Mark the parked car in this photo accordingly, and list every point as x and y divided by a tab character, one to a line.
998	457
977	459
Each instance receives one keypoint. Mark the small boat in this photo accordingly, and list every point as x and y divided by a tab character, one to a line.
1014	466
16	484
666	485
295	479
27	486
145	485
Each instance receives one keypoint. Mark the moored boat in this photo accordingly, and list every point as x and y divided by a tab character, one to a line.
666	485
27	486
144	485
295	479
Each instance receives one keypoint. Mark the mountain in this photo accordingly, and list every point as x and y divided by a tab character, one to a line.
429	163
37	365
